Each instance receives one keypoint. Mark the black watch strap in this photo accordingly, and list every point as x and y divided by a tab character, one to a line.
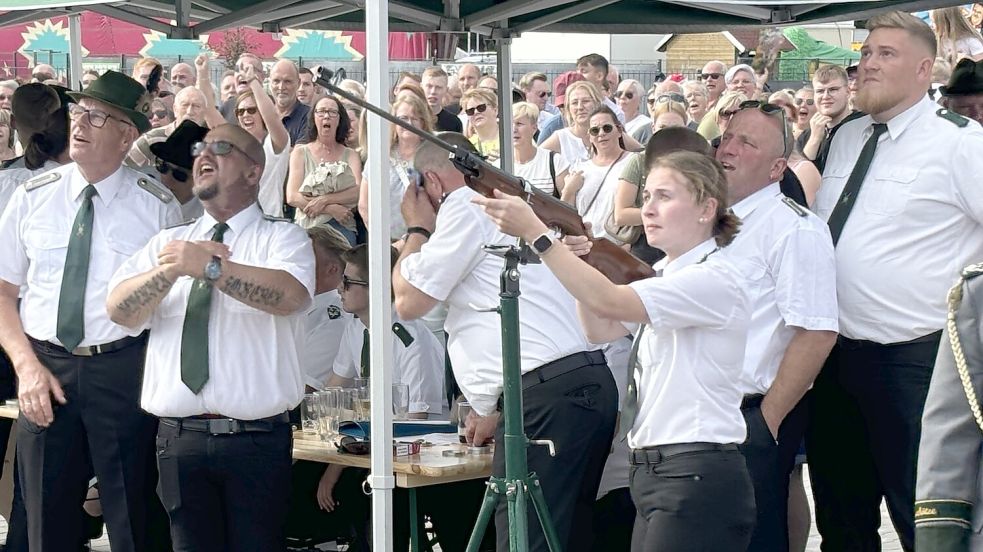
419	230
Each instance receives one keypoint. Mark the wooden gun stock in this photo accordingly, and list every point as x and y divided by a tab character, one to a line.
620	266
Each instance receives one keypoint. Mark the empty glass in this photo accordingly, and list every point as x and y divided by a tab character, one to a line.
328	401
363	403
463	409
309	414
401	401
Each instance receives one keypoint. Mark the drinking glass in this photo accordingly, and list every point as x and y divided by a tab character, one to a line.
363	403
309	414
328	401
401	401
463	409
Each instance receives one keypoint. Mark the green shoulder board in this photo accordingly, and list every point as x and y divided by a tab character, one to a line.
791	204
42	180
402	334
276	219
155	189
953	117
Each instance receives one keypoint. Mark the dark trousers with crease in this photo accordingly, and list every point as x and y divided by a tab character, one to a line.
577	411
101	430
863	441
770	462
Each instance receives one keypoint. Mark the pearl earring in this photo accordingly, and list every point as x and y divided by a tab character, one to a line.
702	220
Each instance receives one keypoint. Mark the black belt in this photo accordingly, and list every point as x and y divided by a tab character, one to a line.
655	455
89	350
861	344
562	366
227	426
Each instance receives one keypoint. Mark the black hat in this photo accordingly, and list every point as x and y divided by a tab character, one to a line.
123	93
967	78
176	150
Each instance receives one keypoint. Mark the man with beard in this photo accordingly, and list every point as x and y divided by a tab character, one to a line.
284	82
830	83
900	193
222	295
964	93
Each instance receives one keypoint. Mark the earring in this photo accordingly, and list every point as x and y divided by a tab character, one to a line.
702	220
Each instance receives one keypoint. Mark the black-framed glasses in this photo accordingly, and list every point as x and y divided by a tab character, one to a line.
480	108
163	167
330	113
218	147
771	110
807	101
97	117
240	111
714	76
347	283
628	94
607	128
670	97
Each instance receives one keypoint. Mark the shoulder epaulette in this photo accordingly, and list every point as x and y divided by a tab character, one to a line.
155	189
972	271
953	117
791	204
402	334
182	223
276	219
42	180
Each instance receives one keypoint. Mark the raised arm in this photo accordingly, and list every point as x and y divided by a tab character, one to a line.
274	125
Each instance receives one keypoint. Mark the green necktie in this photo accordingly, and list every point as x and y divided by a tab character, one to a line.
71	301
837	219
630	407
194	339
364	367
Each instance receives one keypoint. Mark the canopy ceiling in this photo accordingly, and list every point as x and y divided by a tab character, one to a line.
494	18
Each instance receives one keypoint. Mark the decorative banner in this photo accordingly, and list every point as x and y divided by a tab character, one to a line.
42	38
159	46
317	45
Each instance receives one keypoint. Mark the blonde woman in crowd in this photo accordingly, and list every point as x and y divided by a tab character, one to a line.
256	113
956	36
540	167
715	123
572	142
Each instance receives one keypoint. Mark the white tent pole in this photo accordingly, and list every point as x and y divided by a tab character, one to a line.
503	50
74	79
381	478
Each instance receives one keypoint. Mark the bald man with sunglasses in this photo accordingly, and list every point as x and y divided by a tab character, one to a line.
222	296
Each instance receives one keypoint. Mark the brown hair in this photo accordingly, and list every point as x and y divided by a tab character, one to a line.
705	179
915	27
358	257
829	73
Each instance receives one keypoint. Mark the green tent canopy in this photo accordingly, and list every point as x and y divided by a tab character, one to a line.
795	65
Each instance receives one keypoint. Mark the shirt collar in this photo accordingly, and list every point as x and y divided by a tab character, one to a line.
107	189
237	224
746	206
897	125
691	257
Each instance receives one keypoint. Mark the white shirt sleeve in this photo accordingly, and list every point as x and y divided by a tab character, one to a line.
13	255
442	263
805	279
967	164
345	363
703	295
293	254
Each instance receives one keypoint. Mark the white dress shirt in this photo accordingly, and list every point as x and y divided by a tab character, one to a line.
324	325
12	177
915	225
692	352
253	357
452	267
786	254
36	228
192	209
420	365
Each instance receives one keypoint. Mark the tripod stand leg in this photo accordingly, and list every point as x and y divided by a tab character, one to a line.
518	521
488	504
542	511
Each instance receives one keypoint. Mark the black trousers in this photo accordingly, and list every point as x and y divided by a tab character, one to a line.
307	521
101	430
693	502
225	493
863	440
770	462
614	518
577	411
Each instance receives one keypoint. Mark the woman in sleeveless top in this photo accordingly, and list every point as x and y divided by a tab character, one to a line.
572	142
324	173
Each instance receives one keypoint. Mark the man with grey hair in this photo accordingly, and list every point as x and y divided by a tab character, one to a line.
284	83
182	75
7	89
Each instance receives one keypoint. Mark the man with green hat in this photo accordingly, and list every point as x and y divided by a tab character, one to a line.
79	375
964	93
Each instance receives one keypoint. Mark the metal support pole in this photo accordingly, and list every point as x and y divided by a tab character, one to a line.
503	49
74	78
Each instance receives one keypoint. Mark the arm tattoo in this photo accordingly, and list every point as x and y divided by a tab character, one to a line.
250	292
151	290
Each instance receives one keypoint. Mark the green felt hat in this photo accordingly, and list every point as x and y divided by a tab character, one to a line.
966	78
123	93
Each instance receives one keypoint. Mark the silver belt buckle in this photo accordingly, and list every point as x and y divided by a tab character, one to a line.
223	426
85	351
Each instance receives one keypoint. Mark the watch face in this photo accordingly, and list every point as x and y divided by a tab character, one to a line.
542	244
213	270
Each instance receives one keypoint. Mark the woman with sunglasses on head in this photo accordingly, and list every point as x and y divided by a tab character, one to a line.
669	105
715	122
257	115
630	96
481	106
681	413
591	184
324	173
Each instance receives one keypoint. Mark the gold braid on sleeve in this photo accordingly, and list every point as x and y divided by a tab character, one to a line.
955	299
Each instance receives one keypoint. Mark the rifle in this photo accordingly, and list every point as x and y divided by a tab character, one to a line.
620	266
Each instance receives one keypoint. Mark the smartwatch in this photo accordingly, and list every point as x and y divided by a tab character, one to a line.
419	230
213	270
542	244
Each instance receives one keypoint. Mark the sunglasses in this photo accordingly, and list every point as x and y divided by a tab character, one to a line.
159	114
218	147
607	128
480	108
347	283
96	117
164	167
714	76
800	101
771	110
243	110
545	94
663	98
627	94
351	445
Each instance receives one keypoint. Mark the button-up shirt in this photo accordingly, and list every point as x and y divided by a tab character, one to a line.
915	223
36	227
253	356
786	254
452	267
324	325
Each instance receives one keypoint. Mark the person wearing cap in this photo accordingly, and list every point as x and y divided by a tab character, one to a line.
174	164
964	92
556	122
65	232
222	296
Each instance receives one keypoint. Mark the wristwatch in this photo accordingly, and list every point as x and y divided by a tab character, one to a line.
542	244
213	270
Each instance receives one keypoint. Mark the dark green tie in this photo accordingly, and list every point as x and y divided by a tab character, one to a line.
194	339
364	367
630	407
837	219
71	301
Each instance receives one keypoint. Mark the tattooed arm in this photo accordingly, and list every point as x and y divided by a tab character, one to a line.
132	302
269	290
